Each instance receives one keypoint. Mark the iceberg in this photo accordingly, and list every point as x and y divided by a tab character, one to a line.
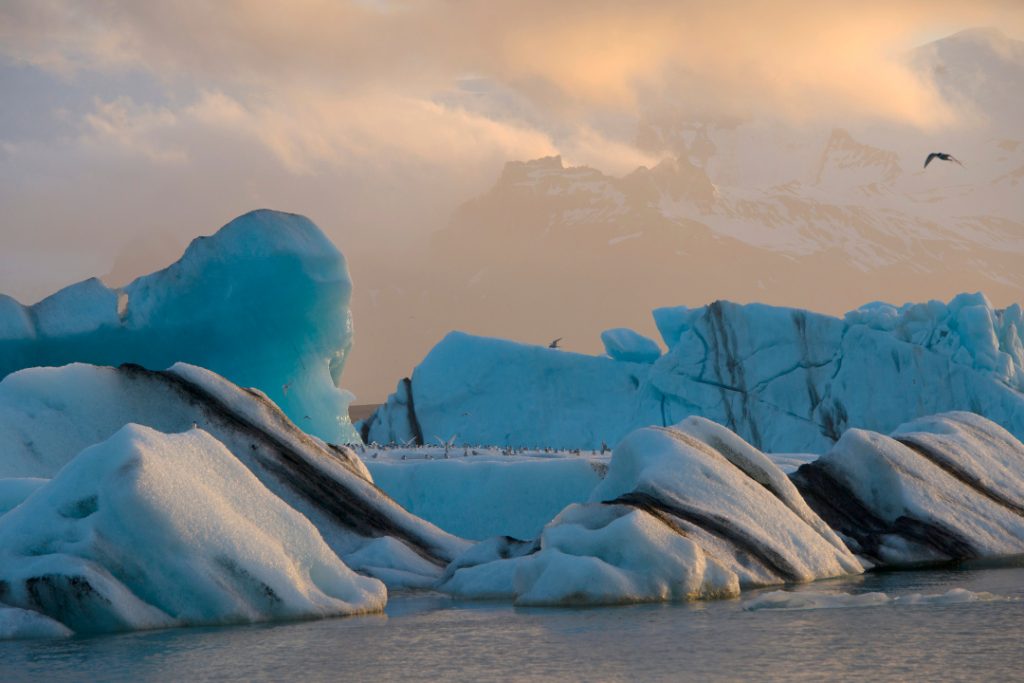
685	512
480	390
263	302
786	380
622	343
483	493
50	415
16	623
150	530
940	488
807	600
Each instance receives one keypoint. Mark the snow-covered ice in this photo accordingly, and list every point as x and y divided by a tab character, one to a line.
148	530
600	554
25	623
49	415
944	487
263	302
684	512
784	379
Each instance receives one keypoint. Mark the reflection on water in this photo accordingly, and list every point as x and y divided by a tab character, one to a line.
429	637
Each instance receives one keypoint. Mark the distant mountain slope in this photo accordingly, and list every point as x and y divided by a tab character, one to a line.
815	217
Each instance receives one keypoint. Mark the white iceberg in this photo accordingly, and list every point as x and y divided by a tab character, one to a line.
479	390
685	512
945	487
149	530
263	302
784	379
18	623
49	415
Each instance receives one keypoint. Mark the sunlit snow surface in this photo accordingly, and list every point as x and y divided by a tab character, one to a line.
116	526
683	513
784	379
49	415
943	487
149	530
263	302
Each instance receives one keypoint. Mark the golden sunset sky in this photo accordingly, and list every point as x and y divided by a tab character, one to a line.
127	128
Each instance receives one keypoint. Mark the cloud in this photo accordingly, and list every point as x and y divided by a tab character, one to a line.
306	127
384	115
786	58
127	127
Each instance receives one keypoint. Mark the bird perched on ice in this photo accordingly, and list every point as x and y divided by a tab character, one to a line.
554	344
941	156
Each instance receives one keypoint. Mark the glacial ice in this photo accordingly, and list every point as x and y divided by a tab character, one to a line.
263	302
622	343
480	390
149	530
684	512
598	555
486	494
25	623
809	600
49	415
783	379
944	487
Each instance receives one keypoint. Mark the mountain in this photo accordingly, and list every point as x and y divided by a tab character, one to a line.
815	217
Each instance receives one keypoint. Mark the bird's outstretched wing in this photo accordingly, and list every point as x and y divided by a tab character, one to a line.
953	158
929	159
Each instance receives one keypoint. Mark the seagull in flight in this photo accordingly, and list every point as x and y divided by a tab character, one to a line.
940	155
554	344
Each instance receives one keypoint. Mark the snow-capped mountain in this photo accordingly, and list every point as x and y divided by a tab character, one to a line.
818	217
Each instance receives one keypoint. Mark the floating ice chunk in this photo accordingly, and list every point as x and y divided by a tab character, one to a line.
730	498
801	600
683	513
954	596
264	302
490	391
809	600
784	379
945	487
622	343
18	623
599	555
148	529
49	415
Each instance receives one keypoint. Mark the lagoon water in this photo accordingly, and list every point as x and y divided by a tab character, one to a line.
429	637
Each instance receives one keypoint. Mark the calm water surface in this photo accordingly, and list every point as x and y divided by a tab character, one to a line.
434	638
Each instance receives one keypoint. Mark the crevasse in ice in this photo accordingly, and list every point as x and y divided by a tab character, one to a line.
784	379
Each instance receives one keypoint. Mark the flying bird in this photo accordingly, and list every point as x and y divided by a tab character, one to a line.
940	155
554	344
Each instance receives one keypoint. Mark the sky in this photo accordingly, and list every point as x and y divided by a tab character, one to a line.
128	128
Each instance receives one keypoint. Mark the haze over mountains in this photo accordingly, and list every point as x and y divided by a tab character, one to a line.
765	206
807	216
